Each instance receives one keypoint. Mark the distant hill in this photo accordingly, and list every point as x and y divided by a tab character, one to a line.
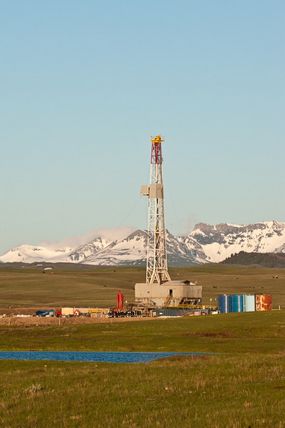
275	260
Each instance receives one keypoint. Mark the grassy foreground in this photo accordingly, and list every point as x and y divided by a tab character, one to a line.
243	385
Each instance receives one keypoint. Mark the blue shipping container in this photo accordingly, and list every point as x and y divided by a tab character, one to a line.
223	303
236	303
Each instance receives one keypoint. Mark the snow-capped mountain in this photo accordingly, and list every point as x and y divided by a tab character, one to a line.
35	253
82	253
222	240
131	250
206	243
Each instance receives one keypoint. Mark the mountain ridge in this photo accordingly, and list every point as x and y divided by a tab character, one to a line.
205	244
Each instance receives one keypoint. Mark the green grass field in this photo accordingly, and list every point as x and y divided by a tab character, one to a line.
97	286
241	385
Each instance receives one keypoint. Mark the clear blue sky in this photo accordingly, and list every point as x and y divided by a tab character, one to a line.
83	86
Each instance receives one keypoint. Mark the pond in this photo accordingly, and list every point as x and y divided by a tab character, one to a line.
102	357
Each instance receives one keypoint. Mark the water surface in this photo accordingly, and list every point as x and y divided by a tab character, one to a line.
104	357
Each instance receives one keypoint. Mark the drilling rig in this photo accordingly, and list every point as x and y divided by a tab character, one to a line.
156	264
159	290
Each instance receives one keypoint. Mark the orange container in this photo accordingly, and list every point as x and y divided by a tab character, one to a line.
263	302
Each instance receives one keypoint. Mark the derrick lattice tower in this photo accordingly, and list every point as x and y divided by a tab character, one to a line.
156	268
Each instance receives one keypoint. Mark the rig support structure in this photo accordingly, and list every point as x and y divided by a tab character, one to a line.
159	291
156	266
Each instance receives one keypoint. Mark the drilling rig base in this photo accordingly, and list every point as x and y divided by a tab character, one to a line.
170	293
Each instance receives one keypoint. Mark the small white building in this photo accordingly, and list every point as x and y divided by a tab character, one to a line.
170	293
